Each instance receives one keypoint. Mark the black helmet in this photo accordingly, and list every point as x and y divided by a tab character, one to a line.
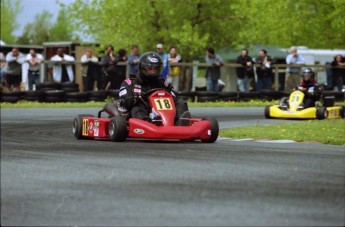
150	66
308	74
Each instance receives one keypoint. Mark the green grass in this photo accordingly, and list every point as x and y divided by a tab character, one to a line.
323	131
26	104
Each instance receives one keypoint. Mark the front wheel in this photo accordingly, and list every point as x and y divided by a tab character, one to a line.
267	112
118	129
321	113
214	130
78	126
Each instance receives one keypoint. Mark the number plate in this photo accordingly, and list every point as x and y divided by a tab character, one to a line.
163	104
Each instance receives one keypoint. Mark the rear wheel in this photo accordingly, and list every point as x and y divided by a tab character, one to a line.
267	112
321	113
342	112
214	130
78	126
118	129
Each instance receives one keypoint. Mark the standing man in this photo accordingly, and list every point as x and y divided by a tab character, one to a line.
35	60
133	60
213	72
264	71
165	59
245	72
89	71
292	76
13	68
62	69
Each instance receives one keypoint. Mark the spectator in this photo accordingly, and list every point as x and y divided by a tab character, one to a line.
62	69
109	62
90	71
338	72
245	72
133	60
165	59
213	72
292	76
35	60
175	71
2	66
121	69
13	76
264	71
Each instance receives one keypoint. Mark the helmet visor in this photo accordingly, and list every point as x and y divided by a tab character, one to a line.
152	70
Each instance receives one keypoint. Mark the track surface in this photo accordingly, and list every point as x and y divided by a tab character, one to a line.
50	178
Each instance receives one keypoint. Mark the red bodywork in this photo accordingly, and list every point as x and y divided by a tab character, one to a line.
163	104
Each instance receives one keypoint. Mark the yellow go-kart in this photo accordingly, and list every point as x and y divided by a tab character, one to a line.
293	107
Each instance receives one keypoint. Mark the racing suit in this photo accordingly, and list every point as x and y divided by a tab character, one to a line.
130	91
312	92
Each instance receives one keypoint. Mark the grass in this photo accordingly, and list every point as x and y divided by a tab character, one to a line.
330	131
26	104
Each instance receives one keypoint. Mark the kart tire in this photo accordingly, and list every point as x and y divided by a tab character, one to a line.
214	130
342	112
267	112
118	129
284	101
321	113
77	126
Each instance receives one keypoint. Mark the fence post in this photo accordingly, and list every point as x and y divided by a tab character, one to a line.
195	74
276	78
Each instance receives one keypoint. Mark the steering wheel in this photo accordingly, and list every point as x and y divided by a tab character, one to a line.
144	95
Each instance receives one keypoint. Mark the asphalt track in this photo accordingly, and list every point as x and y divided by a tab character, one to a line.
49	178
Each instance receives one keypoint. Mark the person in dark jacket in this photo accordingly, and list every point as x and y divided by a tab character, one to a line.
264	71
245	73
109	61
338	72
148	78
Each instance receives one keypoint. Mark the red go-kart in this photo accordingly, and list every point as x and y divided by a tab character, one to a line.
118	127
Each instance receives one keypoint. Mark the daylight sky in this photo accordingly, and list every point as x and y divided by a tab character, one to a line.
32	7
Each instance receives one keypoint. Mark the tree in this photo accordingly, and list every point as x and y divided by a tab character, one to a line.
9	11
190	25
37	32
193	25
312	23
61	30
43	30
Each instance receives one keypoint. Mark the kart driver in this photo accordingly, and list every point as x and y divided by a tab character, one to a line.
148	77
310	87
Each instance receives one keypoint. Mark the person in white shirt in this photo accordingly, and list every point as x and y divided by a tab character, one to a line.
35	60
13	68
62	69
90	71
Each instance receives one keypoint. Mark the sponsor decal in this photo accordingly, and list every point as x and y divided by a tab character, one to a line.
123	92
90	126
161	93
136	90
153	60
138	131
85	127
96	128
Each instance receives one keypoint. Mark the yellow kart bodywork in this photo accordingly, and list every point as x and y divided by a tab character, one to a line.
308	113
296	110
